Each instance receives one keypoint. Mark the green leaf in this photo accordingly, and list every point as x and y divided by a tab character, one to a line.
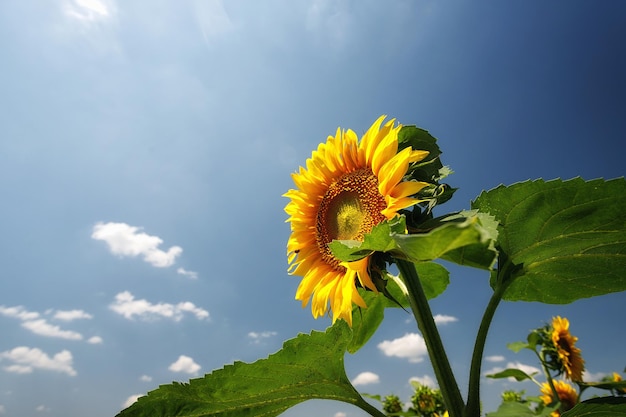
307	367
518	374
512	409
451	234
562	240
420	139
478	255
443	236
517	346
380	239
599	407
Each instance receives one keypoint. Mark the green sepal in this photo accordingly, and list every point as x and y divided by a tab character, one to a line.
429	168
307	367
559	240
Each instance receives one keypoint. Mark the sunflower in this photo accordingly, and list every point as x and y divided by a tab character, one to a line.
568	354
348	187
567	396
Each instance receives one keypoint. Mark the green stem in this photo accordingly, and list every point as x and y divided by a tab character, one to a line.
473	393
426	324
370	409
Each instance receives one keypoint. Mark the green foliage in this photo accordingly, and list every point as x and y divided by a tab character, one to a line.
560	240
599	407
438	238
307	367
518	374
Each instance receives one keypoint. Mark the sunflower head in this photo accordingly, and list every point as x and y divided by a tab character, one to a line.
348	187
568	356
568	396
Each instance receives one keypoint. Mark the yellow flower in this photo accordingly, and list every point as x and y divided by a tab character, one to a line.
348	187
567	396
617	378
568	353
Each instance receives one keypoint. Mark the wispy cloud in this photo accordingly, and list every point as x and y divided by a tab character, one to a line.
410	346
258	336
366	378
26	359
126	305
32	321
126	240
87	10
188	274
43	328
427	380
494	358
70	315
145	378
443	319
95	340
184	364
18	312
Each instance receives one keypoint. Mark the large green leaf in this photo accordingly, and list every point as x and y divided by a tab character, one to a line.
599	407
566	239
307	367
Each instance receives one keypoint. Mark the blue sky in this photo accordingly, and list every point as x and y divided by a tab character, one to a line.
145	146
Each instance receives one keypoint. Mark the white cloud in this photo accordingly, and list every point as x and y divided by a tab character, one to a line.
494	358
2	409
41	408
212	18
18	312
126	240
88	10
443	319
69	315
131	400
95	340
126	305
366	378
188	274
424	380
43	328
410	346
257	337
184	364
145	378
27	359
593	376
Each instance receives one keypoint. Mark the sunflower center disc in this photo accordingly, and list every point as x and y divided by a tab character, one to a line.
349	210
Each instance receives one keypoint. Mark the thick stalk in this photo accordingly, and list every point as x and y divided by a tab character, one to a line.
473	393
426	324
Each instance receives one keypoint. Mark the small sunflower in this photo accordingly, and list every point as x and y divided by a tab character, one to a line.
567	396
348	187
565	344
